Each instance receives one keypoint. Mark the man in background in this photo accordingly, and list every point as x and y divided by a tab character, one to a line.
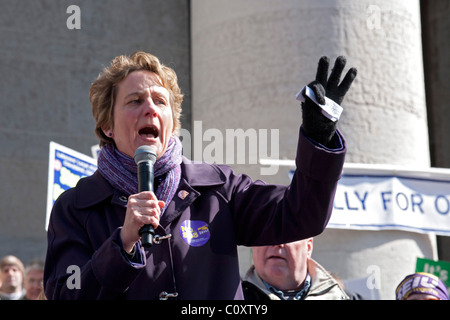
11	278
287	272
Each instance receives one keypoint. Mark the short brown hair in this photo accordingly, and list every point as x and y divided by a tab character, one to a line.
103	91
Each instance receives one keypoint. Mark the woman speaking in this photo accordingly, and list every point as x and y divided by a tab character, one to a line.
200	212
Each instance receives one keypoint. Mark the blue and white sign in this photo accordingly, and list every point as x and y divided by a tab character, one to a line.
380	197
65	168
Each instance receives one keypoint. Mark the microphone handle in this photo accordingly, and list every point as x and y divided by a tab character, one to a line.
147	232
145	183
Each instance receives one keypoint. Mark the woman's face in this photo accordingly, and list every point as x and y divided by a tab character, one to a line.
142	114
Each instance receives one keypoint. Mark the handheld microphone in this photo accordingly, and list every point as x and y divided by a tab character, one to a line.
145	158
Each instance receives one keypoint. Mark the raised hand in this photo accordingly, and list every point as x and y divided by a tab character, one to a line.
315	124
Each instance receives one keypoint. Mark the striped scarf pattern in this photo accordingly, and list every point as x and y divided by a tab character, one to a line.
121	171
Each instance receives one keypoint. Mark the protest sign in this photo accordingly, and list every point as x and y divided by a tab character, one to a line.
65	168
439	268
382	197
371	197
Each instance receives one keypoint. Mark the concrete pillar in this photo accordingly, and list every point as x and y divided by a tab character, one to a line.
249	59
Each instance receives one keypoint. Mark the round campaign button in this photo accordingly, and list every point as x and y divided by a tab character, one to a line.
195	232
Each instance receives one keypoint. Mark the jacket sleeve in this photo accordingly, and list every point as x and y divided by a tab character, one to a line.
266	214
73	270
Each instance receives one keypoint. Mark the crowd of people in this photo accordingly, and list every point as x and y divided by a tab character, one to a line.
19	282
281	272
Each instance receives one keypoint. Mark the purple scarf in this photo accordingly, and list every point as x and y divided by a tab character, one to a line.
121	171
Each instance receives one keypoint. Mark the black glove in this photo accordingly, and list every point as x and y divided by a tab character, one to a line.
315	124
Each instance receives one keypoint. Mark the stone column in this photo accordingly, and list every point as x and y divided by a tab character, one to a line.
250	58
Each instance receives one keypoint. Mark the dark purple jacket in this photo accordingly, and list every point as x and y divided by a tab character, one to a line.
213	211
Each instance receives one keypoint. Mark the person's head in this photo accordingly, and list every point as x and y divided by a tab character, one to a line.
33	282
11	274
283	266
136	101
421	286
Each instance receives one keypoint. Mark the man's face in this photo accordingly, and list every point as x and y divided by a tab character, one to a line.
283	266
11	278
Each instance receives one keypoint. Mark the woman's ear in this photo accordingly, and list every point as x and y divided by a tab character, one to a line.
108	132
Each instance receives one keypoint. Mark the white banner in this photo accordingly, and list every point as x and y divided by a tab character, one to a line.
375	197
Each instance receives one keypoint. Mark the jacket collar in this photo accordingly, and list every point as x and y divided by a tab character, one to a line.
92	190
323	285
201	174
252	277
194	174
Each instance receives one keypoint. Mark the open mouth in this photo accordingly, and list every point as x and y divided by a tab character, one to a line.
149	132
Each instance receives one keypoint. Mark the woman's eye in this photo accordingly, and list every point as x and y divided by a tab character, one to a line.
135	101
160	102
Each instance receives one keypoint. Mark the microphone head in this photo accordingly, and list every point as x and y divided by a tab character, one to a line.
145	153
